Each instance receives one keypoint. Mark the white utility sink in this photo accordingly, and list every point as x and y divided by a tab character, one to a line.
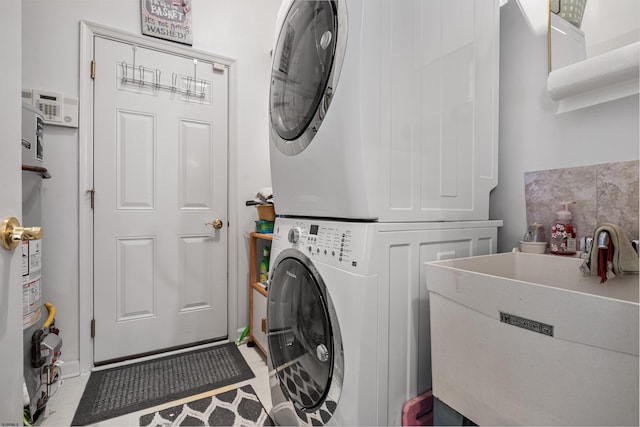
525	339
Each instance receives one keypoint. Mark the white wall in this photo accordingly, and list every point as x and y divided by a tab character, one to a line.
10	261
243	30
533	137
610	24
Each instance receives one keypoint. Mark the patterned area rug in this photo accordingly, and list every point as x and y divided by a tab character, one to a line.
299	383
122	390
238	407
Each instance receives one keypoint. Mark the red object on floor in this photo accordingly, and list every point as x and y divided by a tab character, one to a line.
418	411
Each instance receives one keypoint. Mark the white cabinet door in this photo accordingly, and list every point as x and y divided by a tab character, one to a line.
442	149
405	304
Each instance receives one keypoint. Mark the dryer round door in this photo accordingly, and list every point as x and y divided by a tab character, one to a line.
305	71
305	347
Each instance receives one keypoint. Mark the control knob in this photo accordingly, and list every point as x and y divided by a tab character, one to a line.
294	235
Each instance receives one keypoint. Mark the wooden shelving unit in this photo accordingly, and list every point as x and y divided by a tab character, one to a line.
257	295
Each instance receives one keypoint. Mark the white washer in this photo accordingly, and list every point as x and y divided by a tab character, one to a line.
347	319
385	110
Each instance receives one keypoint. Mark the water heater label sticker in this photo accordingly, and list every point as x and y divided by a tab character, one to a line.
531	325
35	257
31	306
31	282
25	257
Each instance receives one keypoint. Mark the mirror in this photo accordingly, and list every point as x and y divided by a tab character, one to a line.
582	29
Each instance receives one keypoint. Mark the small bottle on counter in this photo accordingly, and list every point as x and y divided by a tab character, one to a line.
563	233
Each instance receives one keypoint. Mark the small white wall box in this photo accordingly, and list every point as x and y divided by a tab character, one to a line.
56	108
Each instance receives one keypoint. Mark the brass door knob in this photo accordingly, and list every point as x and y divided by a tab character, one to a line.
217	223
12	233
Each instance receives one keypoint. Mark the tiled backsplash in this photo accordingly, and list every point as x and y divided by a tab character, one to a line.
603	193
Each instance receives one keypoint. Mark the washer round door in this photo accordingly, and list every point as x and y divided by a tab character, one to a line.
305	70
306	359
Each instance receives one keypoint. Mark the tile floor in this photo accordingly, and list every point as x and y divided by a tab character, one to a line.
62	405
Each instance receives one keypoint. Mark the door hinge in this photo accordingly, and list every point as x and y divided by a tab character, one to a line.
93	196
93	328
218	67
93	69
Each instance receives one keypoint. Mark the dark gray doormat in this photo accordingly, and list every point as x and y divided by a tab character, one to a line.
237	407
122	390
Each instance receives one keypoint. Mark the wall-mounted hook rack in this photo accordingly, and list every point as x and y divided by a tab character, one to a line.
138	76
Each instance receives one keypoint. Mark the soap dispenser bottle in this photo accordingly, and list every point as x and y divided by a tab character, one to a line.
563	233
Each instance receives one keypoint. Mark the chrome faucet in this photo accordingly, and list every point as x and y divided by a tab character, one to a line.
603	240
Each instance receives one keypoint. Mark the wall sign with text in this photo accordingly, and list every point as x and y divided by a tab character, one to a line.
167	19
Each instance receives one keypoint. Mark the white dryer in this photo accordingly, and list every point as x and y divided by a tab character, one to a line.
347	318
385	110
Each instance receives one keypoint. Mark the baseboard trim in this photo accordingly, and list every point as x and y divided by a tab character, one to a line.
70	369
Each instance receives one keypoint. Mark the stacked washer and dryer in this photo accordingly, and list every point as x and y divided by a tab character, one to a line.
383	148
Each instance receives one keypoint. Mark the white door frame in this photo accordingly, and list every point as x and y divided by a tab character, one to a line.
88	31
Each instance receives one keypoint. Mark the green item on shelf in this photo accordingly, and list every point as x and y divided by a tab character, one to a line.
263	226
264	265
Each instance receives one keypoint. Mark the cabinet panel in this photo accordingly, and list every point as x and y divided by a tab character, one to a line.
257	292
404	303
259	320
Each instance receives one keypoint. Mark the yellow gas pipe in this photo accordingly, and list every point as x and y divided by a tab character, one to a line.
52	314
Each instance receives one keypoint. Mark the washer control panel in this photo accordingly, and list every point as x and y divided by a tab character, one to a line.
332	242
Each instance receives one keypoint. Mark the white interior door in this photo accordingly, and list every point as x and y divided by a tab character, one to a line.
11	335
160	174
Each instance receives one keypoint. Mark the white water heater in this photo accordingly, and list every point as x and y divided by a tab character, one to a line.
41	342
